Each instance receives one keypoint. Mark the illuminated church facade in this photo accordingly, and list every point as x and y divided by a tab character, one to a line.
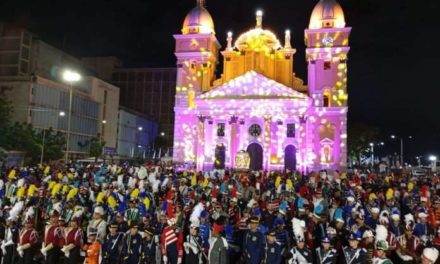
257	104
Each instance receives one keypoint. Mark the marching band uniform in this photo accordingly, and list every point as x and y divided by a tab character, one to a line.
93	250
171	244
111	247
53	242
326	256
8	245
132	248
301	256
218	250
149	247
253	245
25	248
192	249
355	255
272	251
73	243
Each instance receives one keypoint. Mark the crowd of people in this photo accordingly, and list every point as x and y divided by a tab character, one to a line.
124	214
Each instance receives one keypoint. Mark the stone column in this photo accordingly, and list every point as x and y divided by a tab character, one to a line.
233	140
267	141
200	142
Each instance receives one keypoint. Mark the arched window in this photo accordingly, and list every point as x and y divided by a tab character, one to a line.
326	98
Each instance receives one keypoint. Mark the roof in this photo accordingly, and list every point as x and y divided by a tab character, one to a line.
252	85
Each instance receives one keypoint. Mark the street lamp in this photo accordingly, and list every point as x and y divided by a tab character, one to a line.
401	147
162	134
140	128
70	77
433	160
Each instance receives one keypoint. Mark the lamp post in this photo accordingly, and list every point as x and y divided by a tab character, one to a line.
70	77
433	160
401	147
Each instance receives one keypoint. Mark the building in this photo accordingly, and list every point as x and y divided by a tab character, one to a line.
151	92
259	105
136	134
31	77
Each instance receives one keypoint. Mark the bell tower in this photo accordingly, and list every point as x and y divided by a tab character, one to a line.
196	51
327	41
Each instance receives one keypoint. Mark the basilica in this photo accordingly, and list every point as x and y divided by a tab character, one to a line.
257	105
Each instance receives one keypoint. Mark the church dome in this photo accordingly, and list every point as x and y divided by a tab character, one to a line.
327	14
258	39
198	20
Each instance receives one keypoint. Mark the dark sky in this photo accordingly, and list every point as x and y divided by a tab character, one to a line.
393	75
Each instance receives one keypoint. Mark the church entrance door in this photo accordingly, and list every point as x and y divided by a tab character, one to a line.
256	154
290	158
220	157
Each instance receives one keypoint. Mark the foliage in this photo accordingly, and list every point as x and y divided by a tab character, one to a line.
54	143
96	146
5	112
359	137
23	137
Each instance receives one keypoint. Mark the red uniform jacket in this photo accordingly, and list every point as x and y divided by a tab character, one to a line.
54	235
28	236
74	236
169	237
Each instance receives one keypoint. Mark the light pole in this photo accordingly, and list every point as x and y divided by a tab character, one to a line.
70	77
401	147
433	160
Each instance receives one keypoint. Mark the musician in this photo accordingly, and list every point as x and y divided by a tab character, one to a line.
353	254
132	247
28	240
93	248
381	248
73	242
325	254
272	249
11	238
408	245
149	246
111	248
53	240
300	253
253	243
192	246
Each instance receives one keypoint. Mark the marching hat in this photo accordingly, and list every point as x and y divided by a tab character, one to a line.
149	231
255	220
430	254
354	236
325	240
382	245
367	234
271	233
300	238
114	225
92	232
217	228
99	210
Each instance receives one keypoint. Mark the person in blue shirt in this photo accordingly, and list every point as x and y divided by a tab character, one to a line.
272	249
253	244
204	230
282	236
112	245
132	247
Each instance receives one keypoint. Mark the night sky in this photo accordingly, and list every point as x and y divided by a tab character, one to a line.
393	70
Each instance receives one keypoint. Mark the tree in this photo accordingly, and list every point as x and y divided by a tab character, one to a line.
21	137
359	138
54	143
96	146
6	110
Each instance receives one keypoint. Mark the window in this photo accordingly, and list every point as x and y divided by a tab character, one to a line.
327	65
221	129
326	99
290	130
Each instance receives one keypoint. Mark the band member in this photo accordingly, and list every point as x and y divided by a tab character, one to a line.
171	244
53	240
73	242
429	256
111	248
92	248
354	254
98	223
149	247
218	252
192	246
132	247
325	254
381	248
300	253
272	249
26	245
8	244
253	243
408	245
